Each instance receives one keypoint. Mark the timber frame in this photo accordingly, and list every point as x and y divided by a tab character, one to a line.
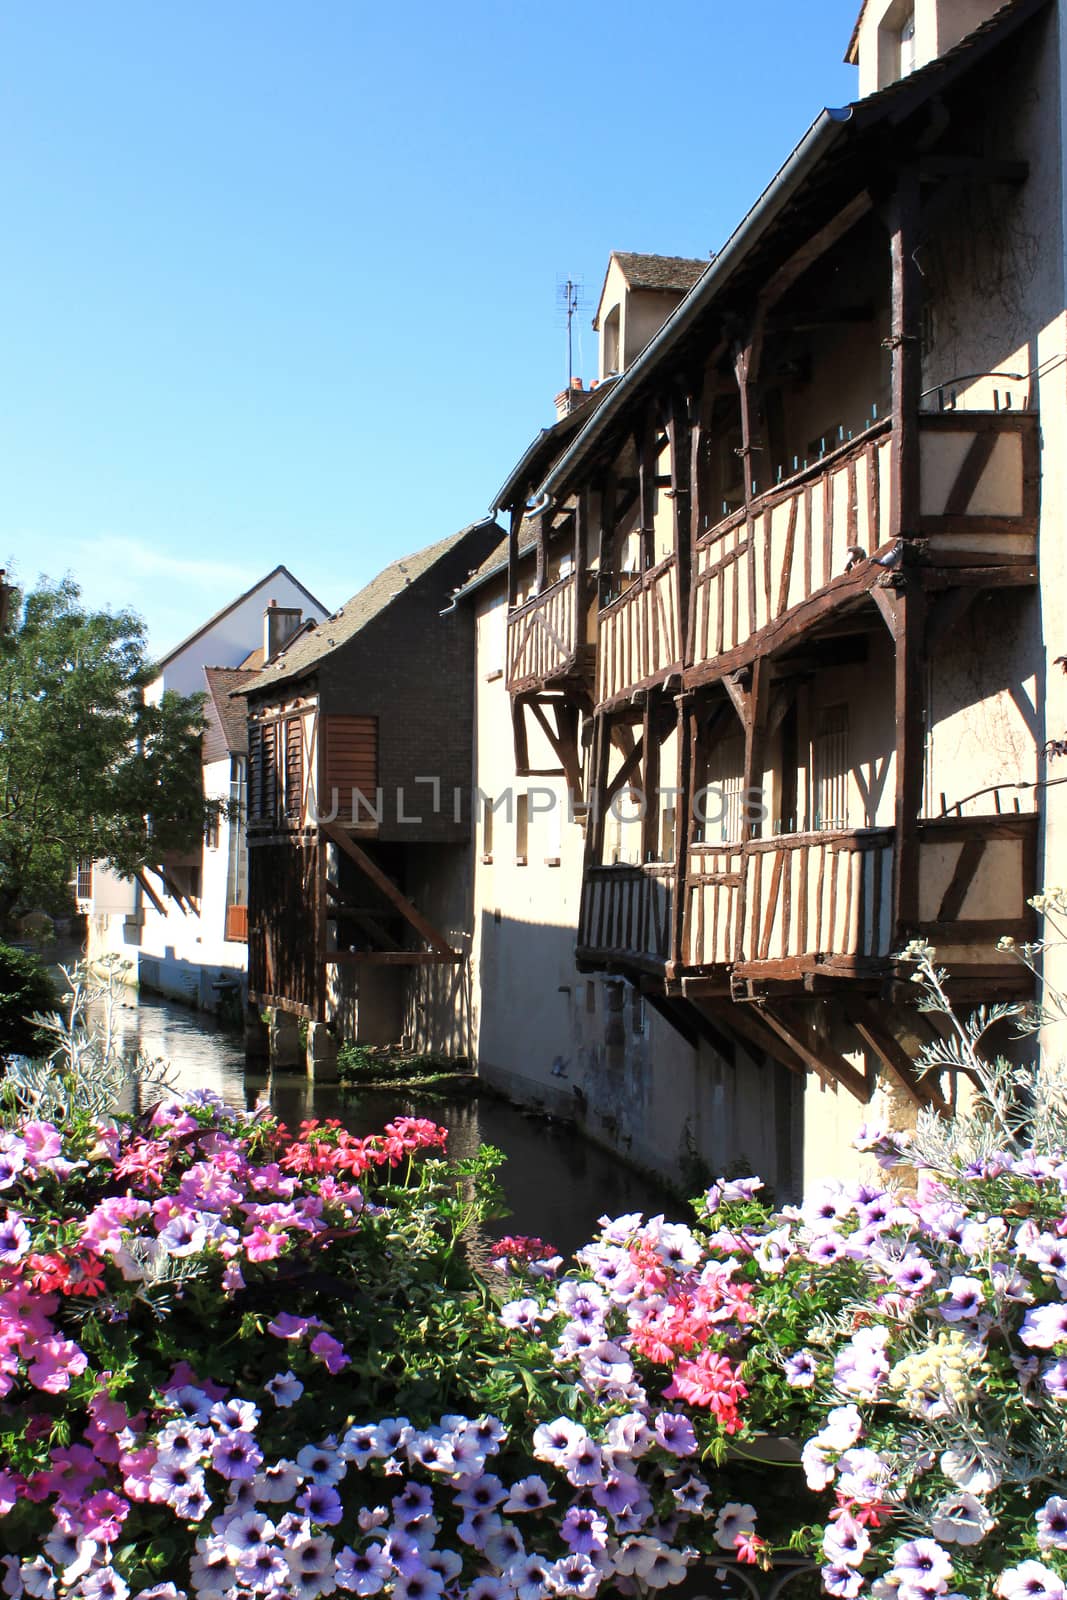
880	539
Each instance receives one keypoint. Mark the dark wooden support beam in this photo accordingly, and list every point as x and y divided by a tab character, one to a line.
910	697
147	889
905	344
755	735
743	368
867	1017
631	765
513	552
679	433
795	1031
391	958
650	785
645	444
382	881
749	1022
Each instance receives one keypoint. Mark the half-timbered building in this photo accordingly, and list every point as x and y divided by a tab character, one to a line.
359	760
795	578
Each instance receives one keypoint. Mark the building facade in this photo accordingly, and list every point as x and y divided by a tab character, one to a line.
180	929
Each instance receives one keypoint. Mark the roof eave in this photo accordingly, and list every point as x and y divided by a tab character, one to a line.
823	133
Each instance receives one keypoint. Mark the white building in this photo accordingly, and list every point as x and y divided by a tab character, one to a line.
182	928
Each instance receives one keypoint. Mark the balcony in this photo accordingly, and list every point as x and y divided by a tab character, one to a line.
626	915
544	647
765	573
796	904
639	635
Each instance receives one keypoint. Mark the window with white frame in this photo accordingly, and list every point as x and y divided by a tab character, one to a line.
722	802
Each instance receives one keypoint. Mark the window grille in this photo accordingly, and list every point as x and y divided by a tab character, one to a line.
722	803
830	768
85	880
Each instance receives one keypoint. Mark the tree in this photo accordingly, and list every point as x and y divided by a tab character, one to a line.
88	768
25	989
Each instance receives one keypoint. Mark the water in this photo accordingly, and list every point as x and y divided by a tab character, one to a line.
557	1183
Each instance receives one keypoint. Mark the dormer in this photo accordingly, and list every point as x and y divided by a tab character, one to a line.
895	37
638	296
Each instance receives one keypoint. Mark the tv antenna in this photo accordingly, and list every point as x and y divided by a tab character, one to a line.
569	293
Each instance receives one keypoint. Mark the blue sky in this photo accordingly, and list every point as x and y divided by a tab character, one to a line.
280	280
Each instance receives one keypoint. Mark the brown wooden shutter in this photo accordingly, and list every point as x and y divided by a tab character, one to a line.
294	766
270	770
351	757
255	772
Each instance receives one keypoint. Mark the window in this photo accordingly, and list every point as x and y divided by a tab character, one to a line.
829	770
907	45
84	884
638	1014
722	802
211	831
667	832
487	831
522	829
294	766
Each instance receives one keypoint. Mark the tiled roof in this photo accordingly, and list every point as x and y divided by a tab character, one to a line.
308	649
678	273
226	731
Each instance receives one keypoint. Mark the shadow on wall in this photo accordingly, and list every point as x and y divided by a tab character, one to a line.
203	987
589	1048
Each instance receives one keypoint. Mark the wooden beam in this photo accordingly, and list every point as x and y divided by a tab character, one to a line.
749	1022
875	1032
909	698
815	1052
409	912
905	344
811	250
390	958
624	774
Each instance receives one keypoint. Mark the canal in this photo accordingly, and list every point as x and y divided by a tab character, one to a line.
557	1182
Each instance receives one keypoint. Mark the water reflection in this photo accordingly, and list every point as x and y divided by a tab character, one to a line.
557	1183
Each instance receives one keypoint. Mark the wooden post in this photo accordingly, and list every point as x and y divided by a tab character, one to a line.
910	754
513	553
541	552
679	432
645	443
650	782
608	494
911	602
905	344
743	369
683	826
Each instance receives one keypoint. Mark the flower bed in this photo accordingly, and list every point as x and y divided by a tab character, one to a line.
235	1362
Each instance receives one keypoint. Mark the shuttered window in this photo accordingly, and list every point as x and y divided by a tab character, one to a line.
294	766
351	760
262	771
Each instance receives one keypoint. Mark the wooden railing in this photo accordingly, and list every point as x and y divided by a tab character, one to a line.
979	476
794	899
237	924
798	900
638	635
758	564
542	636
626	913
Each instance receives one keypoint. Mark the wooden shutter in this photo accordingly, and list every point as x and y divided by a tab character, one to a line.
351	757
294	766
269	764
255	771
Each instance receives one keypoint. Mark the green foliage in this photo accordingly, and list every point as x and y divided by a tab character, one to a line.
363	1063
88	770
25	988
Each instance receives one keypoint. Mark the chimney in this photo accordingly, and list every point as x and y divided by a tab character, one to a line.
569	400
279	625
